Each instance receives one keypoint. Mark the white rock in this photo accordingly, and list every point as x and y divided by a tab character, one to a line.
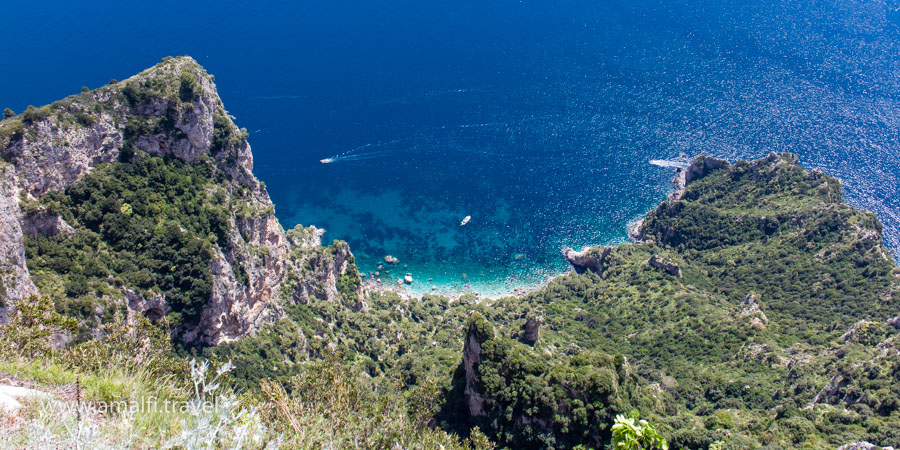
10	396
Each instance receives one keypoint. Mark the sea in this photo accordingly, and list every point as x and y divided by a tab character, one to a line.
537	119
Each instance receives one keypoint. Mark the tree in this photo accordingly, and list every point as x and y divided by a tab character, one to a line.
631	433
7	113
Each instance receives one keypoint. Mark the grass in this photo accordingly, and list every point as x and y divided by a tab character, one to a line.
104	391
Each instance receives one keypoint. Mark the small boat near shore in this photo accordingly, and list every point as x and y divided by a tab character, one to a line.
326	160
465	221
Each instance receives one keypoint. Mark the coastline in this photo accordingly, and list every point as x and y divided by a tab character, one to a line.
700	166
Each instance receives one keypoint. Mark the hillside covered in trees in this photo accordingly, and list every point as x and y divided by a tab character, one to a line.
755	308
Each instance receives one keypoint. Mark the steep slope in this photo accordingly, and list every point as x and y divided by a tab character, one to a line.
152	183
734	313
758	309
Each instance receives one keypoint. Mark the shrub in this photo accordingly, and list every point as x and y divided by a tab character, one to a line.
84	119
31	328
12	129
33	114
188	87
223	134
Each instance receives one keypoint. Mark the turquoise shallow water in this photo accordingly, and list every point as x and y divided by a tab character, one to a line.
536	118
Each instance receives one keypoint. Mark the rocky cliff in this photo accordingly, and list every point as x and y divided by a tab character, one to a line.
173	111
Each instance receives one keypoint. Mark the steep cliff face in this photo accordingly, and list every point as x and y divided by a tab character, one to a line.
15	282
479	331
171	110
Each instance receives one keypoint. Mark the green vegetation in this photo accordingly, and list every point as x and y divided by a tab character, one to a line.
11	129
147	225
7	113
778	329
631	433
756	344
785	234
224	134
542	400
32	114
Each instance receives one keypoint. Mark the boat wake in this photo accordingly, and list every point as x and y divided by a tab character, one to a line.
368	151
670	164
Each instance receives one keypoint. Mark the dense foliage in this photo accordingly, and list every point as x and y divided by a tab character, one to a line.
781	232
147	225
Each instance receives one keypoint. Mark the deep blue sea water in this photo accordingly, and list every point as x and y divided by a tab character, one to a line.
536	118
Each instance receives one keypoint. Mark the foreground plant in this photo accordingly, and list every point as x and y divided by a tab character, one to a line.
632	433
218	420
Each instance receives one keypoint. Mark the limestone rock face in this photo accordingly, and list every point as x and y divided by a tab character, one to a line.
15	282
701	166
152	308
313	271
239	308
171	109
894	322
41	224
588	259
478	333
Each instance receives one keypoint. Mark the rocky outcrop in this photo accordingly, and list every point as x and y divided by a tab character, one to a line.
314	272
15	282
43	224
479	331
863	445
894	322
588	259
634	230
701	166
92	128
751	311
152	306
171	109
531	329
660	263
